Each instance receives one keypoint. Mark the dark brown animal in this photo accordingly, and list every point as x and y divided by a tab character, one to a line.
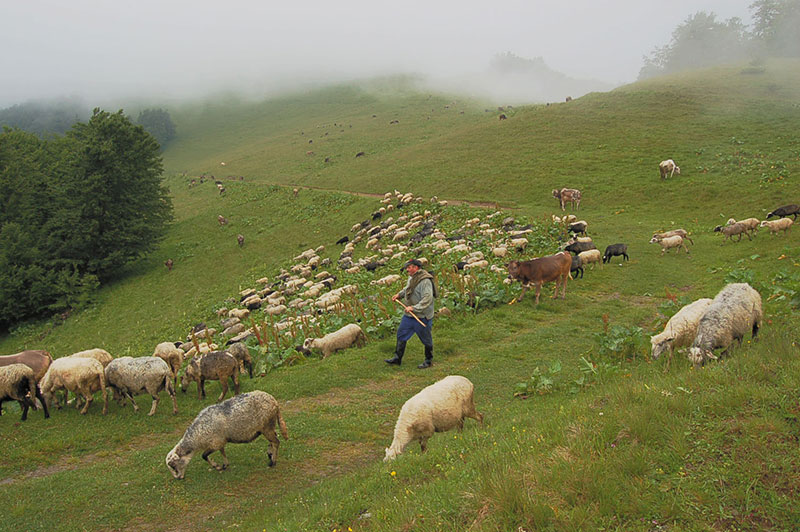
568	99
502	117
168	263
215	366
240	238
541	270
360	154
37	360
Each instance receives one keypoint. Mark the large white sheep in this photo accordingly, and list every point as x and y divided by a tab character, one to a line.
680	330
670	242
440	407
82	376
129	376
784	224
16	382
101	355
240	419
733	312
668	167
591	256
342	339
173	356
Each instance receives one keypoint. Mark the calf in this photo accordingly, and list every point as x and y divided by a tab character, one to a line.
38	361
616	250
668	167
539	271
570	195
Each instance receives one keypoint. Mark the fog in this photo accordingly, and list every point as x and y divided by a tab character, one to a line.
169	50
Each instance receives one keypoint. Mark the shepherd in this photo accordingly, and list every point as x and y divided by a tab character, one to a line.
417	300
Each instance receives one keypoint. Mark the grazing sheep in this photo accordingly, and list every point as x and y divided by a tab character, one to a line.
214	366
669	243
787	210
222	220
680	330
241	313
129	376
345	337
240	419
568	195
579	247
733	229
577	266
16	382
240	239
240	352
668	167
169	263
591	256
37	360
616	250
735	311
517	243
101	355
751	224
439	407
675	232
578	227
784	224
173	356
82	376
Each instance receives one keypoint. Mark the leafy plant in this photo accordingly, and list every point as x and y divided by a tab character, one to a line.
621	341
540	382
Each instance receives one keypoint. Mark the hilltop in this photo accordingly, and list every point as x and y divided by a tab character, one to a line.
700	449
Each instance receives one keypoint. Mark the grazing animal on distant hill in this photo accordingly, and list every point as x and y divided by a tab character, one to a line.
168	263
568	195
668	167
541	270
360	154
240	239
222	220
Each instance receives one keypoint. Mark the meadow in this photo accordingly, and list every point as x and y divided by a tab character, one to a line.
582	430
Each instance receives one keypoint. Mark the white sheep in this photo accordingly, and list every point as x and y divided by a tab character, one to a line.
733	312
386	281
519	243
16	382
477	264
591	256
129	376
241	313
680	330
668	167
101	355
784	224
173	356
500	251
82	376
439	407
675	232
342	339
670	242
240	419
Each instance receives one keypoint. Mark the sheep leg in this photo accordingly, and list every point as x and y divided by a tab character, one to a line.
423	444
174	403
155	405
211	462
224	458
201	389
128	396
38	394
88	399
23	404
235	378
538	291
224	383
274	442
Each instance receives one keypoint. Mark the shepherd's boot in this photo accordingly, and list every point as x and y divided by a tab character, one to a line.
399	350
428	358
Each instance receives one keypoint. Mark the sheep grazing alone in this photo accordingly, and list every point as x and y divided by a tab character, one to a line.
16	382
173	356
169	263
680	330
787	210
670	242
129	376
735	311
733	230
82	376
222	220
668	167
240	240
240	419
784	224
345	337
440	407
616	250
240	352
214	366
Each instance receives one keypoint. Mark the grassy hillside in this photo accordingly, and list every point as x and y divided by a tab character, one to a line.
615	441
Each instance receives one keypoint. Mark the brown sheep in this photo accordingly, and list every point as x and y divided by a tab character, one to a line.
215	366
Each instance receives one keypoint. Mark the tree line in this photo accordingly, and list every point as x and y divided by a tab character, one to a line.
75	209
703	41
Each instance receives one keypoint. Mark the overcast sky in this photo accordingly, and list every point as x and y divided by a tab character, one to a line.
106	49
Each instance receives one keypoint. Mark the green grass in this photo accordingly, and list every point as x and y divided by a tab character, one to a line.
640	446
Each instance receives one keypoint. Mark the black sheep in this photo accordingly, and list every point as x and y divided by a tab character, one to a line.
616	250
577	266
343	240
786	210
580	247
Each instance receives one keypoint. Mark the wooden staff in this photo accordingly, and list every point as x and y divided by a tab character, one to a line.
410	312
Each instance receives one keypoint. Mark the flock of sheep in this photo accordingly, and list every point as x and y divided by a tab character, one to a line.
297	295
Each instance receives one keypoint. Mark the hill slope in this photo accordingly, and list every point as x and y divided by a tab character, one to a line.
701	450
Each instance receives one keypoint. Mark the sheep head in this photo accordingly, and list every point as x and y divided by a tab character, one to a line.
658	347
177	464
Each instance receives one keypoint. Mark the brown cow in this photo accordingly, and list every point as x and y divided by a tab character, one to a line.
541	270
38	361
571	195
